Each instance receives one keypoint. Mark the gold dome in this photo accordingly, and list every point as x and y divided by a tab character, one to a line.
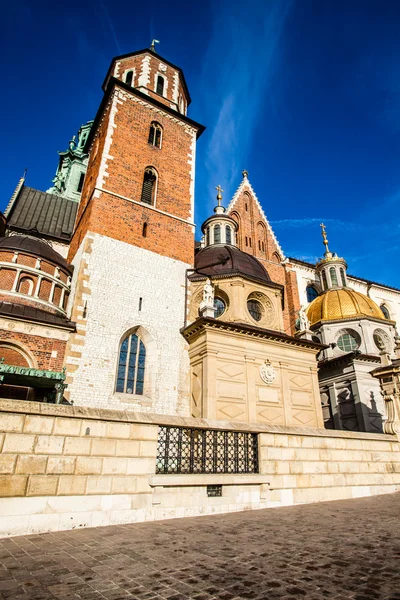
342	303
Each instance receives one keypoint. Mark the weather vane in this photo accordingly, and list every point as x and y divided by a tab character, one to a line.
152	47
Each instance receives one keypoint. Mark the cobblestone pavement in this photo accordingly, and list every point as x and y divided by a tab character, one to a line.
345	549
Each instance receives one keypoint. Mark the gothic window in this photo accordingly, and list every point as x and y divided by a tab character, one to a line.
343	277
312	293
160	85
129	77
149	186
276	257
324	281
385	311
155	134
228	234
131	363
217	234
333	274
80	183
255	309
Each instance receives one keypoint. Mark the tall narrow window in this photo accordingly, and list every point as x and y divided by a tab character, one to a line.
144	230
385	311
155	134
259	244
207	236
129	77
312	293
160	85
246	240
250	242
132	357
149	186
80	184
228	235
333	274
342	277
324	281
217	234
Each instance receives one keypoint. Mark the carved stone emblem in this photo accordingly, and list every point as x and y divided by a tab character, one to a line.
162	67
267	373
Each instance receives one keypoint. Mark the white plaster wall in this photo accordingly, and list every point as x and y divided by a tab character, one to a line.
120	274
305	276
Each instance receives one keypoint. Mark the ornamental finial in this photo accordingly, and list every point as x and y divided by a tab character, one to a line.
325	239
219	195
245	174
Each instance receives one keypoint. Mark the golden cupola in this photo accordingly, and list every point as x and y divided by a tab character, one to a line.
337	301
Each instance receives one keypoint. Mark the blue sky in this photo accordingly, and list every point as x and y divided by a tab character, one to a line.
304	94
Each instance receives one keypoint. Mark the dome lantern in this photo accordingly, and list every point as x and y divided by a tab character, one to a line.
219	229
331	269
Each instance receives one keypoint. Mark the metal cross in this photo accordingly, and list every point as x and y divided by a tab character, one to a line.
219	195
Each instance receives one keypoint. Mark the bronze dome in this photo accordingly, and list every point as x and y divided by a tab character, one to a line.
237	263
30	245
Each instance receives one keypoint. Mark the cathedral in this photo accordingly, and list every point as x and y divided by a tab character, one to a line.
107	302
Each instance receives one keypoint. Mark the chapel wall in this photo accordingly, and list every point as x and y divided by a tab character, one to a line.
43	348
64	467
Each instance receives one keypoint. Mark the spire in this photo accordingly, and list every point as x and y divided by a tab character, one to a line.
331	269
245	174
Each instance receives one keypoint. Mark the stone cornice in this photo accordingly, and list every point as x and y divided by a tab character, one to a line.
205	323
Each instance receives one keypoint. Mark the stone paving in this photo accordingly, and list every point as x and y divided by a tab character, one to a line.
344	549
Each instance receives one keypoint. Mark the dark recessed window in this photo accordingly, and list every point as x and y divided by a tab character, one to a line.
333	274
312	293
324	282
255	309
228	234
217	234
343	277
219	306
144	230
160	85
155	134
129	77
149	186
80	184
385	311
132	357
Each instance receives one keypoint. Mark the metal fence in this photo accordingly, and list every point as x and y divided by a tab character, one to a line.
186	450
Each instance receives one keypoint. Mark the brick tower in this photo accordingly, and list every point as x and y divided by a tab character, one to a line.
134	239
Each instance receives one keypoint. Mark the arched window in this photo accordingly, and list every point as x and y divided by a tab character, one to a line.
385	311
217	234
129	77
207	236
333	274
25	286
276	257
312	293
324	281
131	363
343	277
155	134
228	234
160	85
149	186
255	309
347	342
219	307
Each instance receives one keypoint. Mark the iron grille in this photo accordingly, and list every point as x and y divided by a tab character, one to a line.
184	450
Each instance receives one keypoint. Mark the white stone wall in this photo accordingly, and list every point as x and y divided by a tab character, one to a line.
119	275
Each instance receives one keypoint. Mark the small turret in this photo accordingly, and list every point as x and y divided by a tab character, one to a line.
219	228
331	269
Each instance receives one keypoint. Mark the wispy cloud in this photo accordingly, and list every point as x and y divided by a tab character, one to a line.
108	23
246	38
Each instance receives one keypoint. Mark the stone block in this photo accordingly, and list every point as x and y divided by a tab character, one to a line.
114	466
333	467
266	439
142	485
148	449
12	485
296	467
289	481
93	428
123	485
7	463
18	443
77	446
103	447
303	481
128	448
268	467
281	440
16	525
43	523
42	485
98	485
31	464
282	468
315	467
67	427
49	444
11	423
141	466
62	465
118	430
88	465
38	424
144	432
71	485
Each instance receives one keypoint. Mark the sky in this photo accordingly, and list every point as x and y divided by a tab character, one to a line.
304	94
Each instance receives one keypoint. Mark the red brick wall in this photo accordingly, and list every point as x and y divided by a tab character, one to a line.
12	356
38	347
7	278
123	220
252	228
